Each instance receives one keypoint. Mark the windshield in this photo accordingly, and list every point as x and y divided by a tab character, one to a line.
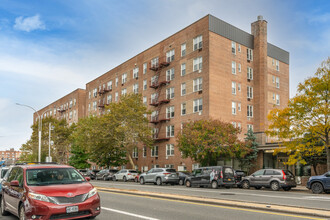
53	176
3	172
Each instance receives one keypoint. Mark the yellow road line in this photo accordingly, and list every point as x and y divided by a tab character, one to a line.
217	206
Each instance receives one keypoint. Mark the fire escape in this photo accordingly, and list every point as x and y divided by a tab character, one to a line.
158	83
102	92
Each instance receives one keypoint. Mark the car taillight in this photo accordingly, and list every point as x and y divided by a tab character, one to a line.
167	174
129	174
284	176
221	174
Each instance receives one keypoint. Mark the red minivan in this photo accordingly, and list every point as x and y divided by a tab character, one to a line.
48	191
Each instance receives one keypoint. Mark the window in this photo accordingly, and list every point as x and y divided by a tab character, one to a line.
277	65
145	66
198	84
136	88
198	63
135	72
116	96
123	78
239	106
116	81
239	48
250	111
89	106
183	49
233	88
109	99
198	105
170	93
183	69
233	108
89	94
239	125
154	151
183	89
154	98
145	86
273	79
233	47
277	99
144	151
170	56
95	92
198	42
154	62
250	127
170	112
249	73
249	54
94	105
124	91
169	149
233	67
278	82
135	153
144	100
239	68
154	81
183	109
250	92
170	74
170	131
274	96
110	85
239	87
234	124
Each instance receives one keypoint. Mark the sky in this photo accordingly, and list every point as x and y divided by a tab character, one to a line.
50	48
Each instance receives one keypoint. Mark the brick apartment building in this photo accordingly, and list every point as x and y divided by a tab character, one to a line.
11	154
209	69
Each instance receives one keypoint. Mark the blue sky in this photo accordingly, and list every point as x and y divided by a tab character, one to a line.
50	48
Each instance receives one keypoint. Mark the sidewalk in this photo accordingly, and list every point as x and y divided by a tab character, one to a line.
245	205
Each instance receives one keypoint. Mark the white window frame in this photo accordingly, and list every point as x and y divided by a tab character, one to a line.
233	47
170	112
145	84
170	74
239	48
110	85
249	54
169	150
170	93
170	55
198	64
117	81
136	88
136	73
239	106
145	67
277	99
233	108
183	108
123	91
249	92
123	78
249	73
145	100
239	68
116	96
277	81
198	105
154	151
135	153
233	67
183	89
198	42
183	69
183	49
198	84
154	62
277	65
233	88
170	131
249	127
250	111
109	99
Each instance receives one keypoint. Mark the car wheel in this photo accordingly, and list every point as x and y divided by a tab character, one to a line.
136	180
257	187
159	181
124	178
104	178
214	184
21	212
317	188
3	210
286	188
188	183
181	182
245	184
142	181
275	186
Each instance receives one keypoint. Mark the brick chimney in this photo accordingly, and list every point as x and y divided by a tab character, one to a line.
259	31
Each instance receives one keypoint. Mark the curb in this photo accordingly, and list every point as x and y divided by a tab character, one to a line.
230	203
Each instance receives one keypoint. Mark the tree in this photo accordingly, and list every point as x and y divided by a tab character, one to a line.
248	160
60	146
307	112
79	158
205	141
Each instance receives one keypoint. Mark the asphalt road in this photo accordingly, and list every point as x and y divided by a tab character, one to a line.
291	198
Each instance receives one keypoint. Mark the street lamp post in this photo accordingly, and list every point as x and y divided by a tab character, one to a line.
39	128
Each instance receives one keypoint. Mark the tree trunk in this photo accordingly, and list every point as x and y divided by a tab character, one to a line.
131	161
328	157
314	165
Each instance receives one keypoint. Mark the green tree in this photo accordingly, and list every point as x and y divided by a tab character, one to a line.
206	141
60	145
307	112
248	160
79	158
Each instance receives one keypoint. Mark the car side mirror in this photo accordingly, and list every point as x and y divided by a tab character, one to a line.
87	178
14	183
253	175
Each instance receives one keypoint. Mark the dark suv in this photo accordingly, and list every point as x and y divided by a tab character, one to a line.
318	184
48	192
212	176
105	174
270	178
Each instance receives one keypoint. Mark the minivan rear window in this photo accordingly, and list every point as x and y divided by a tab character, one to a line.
171	170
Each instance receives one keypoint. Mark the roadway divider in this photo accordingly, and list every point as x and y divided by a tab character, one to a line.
229	203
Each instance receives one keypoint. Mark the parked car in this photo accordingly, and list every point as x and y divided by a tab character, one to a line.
88	173
270	178
182	177
239	174
105	174
43	191
212	176
319	184
3	171
159	176
125	175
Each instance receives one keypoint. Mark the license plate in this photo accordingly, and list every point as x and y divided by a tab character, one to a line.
71	209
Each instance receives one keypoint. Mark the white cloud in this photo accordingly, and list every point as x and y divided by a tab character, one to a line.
29	24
